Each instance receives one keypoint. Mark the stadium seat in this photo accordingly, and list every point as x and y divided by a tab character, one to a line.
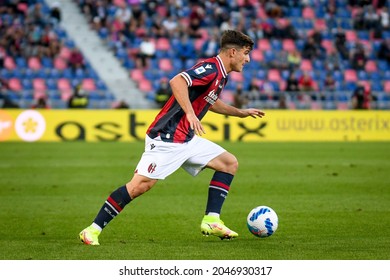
34	63
306	65
60	64
63	84
88	84
308	13
65	53
145	85
386	86
351	36
39	84
15	84
9	63
288	45
274	75
257	55
263	45
163	44
227	96
137	74
350	75
236	76
371	66
165	64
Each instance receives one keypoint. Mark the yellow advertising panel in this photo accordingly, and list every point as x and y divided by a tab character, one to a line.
131	125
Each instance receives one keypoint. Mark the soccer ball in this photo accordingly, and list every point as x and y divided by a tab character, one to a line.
262	221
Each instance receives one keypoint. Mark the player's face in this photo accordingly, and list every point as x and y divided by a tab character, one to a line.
241	57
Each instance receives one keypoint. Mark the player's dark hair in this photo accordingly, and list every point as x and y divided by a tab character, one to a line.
235	39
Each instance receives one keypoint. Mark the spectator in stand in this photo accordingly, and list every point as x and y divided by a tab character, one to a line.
292	82
147	51
340	43
186	50
240	99
272	9
358	19
361	97
210	47
384	18
384	50
310	49
358	57
41	103
329	82
170	25
294	60
253	90
76	59
79	99
305	82
332	61
371	18
163	93
281	61
55	13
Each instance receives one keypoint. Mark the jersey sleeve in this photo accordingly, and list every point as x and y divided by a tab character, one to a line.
201	74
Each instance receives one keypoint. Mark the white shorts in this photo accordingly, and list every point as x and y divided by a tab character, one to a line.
161	159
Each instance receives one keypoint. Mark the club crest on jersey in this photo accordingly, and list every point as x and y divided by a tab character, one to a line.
152	167
200	70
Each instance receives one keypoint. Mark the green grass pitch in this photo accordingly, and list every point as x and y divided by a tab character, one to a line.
332	199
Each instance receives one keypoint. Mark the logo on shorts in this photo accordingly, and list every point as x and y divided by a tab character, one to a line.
152	167
152	146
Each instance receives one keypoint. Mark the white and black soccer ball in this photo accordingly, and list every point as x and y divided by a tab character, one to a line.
262	221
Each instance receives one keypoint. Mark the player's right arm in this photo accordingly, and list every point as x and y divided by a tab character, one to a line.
180	92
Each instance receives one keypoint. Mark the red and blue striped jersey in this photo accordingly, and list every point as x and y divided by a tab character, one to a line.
205	82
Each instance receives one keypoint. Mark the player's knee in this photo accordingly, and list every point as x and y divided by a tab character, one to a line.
138	186
231	165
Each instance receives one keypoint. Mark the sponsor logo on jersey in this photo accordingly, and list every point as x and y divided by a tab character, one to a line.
211	97
208	66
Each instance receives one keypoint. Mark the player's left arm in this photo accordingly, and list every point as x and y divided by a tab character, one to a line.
221	107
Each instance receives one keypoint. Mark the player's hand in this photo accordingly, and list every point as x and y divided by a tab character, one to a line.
254	113
195	124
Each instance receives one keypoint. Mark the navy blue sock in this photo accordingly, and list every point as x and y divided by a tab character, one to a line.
113	206
218	190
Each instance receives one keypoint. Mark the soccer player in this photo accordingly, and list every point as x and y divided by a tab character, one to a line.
173	139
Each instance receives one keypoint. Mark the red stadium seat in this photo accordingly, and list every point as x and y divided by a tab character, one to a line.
308	13
263	45
227	96
60	64
306	65
39	84
137	74
351	36
350	75
327	45
274	75
88	84
145	85
257	55
65	53
34	63
288	45
63	84
386	86
320	24
15	84
165	64
163	44
371	66
236	76
9	63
